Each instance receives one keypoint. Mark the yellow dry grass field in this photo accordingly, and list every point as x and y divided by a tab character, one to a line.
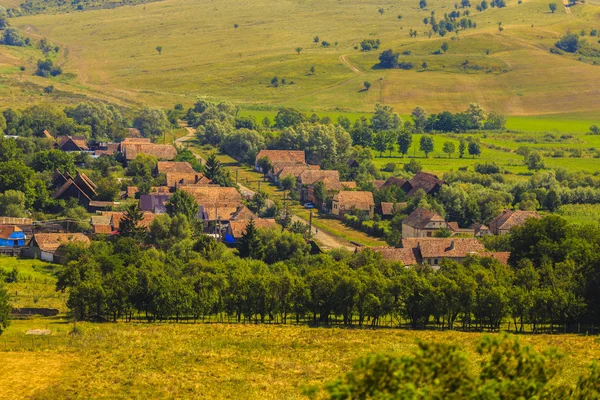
111	54
215	361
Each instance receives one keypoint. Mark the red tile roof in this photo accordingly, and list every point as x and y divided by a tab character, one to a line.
310	176
175	166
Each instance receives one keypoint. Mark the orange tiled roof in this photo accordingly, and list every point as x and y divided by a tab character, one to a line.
421	217
238	227
359	200
49	242
283	156
444	247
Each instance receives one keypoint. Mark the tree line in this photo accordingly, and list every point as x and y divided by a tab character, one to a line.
553	273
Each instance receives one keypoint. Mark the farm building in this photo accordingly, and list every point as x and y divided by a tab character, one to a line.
45	245
12	236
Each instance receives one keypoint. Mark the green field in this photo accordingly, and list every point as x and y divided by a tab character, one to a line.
110	54
35	286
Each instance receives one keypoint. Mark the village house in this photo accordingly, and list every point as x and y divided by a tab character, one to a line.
130	149
422	223
508	219
480	230
216	203
432	251
44	246
105	149
346	202
12	236
281	158
180	173
71	143
388	209
308	178
429	183
154	202
79	187
101	224
115	218
237	228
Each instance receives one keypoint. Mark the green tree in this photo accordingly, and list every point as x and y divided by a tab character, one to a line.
404	141
181	202
474	148
50	160
419	117
385	118
5	309
151	122
108	188
159	49
426	144
569	43
367	85
495	121
250	244
462	146
535	161
445	47
130	223
288	182
449	148
298	50
12	204
265	165
288	117
553	7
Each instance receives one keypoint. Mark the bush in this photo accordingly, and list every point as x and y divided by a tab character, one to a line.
406	65
46	68
569	43
487	168
413	166
390	167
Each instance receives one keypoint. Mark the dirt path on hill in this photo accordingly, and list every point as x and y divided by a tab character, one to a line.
567	7
352	67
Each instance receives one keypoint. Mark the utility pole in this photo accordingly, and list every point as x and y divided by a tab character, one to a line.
310	223
236	175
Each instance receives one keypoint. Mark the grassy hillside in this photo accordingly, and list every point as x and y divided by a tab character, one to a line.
111	54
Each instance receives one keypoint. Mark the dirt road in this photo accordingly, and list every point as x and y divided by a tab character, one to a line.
347	63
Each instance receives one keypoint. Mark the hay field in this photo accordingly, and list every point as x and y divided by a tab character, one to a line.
215	361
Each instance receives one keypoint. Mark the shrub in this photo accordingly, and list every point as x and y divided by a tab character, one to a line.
487	168
390	167
569	43
413	166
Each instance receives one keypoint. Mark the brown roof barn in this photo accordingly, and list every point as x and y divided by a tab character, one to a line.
164	167
345	201
238	227
430	183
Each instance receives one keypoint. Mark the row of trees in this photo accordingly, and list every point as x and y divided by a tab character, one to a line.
94	120
195	278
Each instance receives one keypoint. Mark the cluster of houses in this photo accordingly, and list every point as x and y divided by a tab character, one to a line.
224	214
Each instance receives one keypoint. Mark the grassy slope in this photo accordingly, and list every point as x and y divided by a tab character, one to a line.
215	361
36	284
113	54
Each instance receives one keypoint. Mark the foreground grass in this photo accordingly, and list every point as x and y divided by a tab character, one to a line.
217	361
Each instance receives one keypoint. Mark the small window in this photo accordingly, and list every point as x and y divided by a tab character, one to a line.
435	261
428	234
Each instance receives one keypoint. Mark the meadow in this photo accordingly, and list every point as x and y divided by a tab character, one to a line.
111	55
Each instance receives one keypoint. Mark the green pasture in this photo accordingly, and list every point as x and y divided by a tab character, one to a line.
111	54
36	284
